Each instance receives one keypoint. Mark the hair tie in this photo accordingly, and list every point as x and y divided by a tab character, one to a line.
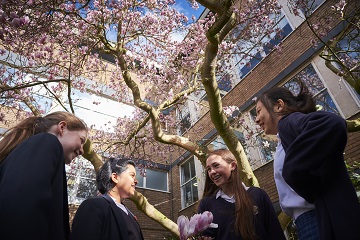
38	125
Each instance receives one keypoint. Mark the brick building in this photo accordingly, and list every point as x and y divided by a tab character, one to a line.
175	186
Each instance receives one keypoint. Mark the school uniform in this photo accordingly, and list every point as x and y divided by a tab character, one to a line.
99	218
314	167
33	191
266	223
302	212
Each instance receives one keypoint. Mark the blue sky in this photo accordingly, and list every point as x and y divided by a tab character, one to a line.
184	7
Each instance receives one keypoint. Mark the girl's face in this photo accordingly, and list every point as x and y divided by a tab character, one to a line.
219	170
265	120
71	141
126	182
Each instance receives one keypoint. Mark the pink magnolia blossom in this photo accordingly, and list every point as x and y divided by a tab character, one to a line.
197	224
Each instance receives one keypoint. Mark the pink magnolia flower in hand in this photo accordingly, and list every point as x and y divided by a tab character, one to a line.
185	228
196	224
203	221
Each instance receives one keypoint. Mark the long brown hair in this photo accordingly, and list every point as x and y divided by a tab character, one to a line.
244	205
33	125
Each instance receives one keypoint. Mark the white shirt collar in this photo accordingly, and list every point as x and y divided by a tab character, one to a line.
119	205
221	194
227	198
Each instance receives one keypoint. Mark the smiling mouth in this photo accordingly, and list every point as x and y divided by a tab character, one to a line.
216	177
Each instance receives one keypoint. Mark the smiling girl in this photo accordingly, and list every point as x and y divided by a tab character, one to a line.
33	190
309	168
239	211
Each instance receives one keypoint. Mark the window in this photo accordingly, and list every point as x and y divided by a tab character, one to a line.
189	184
266	145
153	179
225	83
185	122
217	143
248	137
348	51
312	5
81	180
281	28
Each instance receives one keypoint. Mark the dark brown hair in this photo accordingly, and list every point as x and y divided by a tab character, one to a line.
303	102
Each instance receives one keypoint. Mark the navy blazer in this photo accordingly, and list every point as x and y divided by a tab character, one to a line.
266	223
314	167
33	191
99	218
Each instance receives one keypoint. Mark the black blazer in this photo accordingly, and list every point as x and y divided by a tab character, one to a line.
314	167
33	192
99	218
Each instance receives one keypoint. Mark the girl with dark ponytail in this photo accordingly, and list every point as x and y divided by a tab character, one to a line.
309	169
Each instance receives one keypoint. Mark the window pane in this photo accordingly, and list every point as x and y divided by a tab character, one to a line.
309	76
189	190
185	124
87	188
188	171
348	50
267	149
140	179
156	180
190	193
326	103
195	190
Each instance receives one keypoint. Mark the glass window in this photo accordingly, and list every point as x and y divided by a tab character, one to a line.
189	184
348	51
185	122
225	83
153	179
281	28
217	143
312	5
81	180
265	145
248	139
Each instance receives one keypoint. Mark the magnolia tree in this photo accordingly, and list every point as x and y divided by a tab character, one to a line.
341	53
51	50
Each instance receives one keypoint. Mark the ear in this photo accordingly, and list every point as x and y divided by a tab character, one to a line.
58	129
233	166
61	127
114	177
279	105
